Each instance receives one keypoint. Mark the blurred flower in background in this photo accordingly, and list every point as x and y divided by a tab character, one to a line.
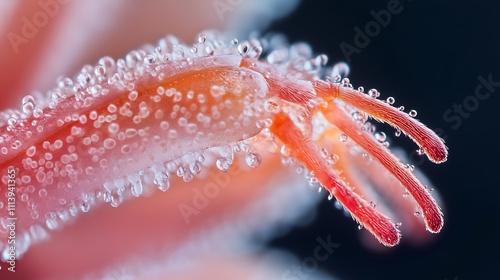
150	237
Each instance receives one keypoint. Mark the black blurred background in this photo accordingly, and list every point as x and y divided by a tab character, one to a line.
429	57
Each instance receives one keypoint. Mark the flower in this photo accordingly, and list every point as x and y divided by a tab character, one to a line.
50	38
169	113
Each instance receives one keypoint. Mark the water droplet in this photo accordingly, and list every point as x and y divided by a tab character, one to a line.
253	160
332	159
417	214
222	164
28	104
345	82
412	113
195	168
162	182
380	136
132	96
243	48
51	223
285	151
149	59
85	207
180	171
83	78
373	93
37	112
390	100
397	133
42	192
398	225
202	39
116	198
136	185
217	91
342	137
361	89
323	153
31	151
95	90
100	70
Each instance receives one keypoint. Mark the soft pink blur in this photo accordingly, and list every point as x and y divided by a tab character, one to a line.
80	32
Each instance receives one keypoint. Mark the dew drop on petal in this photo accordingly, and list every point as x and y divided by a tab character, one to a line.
390	100
342	137
222	164
31	151
380	136
109	143
253	160
149	59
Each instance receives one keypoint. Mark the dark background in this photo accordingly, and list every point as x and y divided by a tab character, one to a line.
429	57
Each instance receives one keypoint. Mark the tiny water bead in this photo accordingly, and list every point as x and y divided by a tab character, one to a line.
149	59
223	164
342	137
28	104
253	160
390	100
380	136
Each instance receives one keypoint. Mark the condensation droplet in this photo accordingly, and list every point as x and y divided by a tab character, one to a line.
109	143
342	137
253	160
28	104
149	59
373	93
202	39
42	192
380	136
390	100
243	48
31	151
222	164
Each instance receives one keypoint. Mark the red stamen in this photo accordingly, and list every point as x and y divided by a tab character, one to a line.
306	151
432	214
430	142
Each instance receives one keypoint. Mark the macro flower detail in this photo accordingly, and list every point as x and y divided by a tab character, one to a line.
171	110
